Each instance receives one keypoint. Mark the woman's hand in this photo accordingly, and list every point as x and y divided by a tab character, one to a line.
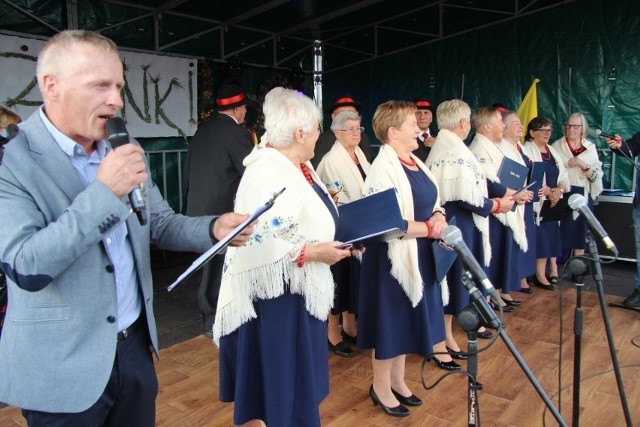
554	195
327	252
575	162
525	196
438	223
502	205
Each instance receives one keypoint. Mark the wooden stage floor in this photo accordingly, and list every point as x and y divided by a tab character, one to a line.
188	375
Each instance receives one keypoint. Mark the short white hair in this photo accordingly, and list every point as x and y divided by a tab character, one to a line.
285	111
343	117
449	113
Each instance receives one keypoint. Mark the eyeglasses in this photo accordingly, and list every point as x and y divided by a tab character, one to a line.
570	126
353	130
544	130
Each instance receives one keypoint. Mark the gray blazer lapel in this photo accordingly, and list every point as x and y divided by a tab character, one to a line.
46	152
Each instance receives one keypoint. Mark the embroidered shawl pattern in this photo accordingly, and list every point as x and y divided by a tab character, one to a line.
338	171
266	267
490	157
576	177
460	177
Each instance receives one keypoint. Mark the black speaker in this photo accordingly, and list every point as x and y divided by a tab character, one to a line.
615	215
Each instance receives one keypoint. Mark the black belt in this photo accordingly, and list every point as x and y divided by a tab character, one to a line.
133	328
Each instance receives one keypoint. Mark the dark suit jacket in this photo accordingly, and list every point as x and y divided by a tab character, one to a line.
214	165
631	147
326	141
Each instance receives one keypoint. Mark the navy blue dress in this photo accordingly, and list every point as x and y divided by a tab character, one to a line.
386	320
463	212
548	232
275	367
503	269
528	259
346	275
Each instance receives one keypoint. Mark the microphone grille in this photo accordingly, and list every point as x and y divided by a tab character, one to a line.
576	201
598	132
451	235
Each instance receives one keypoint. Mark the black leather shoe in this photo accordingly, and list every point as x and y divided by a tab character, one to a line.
512	302
543	285
341	349
505	309
447	366
347	338
397	411
457	354
412	400
528	291
633	300
485	335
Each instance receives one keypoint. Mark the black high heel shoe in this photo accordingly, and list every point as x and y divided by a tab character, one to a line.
538	283
412	400
341	349
447	366
512	302
485	335
348	338
397	411
457	354
505	309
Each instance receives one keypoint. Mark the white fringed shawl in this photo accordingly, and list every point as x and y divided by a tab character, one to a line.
387	172
531	149
337	170
576	177
460	178
490	158
267	266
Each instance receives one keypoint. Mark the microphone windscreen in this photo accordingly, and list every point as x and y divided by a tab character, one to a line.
12	130
451	235
576	201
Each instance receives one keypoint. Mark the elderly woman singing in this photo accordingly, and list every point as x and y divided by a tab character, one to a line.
344	169
277	291
401	303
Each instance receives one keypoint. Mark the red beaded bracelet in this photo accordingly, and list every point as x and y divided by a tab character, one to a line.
301	256
498	206
429	228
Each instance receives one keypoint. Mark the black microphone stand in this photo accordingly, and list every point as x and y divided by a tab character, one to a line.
477	314
596	272
578	268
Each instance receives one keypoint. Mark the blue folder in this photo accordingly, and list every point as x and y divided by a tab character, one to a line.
443	256
536	174
512	174
371	219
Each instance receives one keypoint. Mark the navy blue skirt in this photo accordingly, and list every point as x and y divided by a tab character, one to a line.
275	367
503	269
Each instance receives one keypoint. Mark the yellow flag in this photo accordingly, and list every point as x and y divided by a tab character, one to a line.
528	109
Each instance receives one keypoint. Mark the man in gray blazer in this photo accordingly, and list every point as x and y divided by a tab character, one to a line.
76	345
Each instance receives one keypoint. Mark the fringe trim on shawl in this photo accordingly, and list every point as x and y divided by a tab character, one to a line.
268	282
411	285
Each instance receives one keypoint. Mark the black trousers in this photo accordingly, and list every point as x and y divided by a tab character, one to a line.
129	399
210	289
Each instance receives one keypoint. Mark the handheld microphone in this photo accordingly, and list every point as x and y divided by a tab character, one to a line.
452	237
605	135
117	135
578	203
